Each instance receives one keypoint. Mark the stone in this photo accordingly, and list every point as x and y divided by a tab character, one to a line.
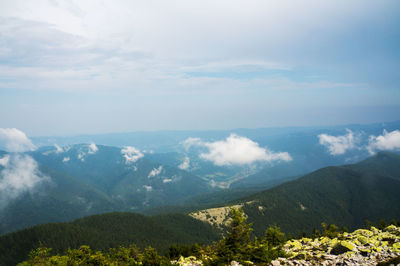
342	247
275	263
364	232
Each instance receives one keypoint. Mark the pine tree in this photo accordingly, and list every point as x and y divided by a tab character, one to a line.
237	240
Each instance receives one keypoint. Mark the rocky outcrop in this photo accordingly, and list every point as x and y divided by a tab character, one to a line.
361	247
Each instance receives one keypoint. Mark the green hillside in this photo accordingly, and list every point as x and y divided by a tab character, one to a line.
383	163
106	231
346	196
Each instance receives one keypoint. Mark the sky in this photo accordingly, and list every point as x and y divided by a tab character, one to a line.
74	67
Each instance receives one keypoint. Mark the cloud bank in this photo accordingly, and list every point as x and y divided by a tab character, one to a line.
340	144
236	150
15	140
131	154
387	141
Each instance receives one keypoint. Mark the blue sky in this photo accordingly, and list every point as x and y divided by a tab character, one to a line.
70	67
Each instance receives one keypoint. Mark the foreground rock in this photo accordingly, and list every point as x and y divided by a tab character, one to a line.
361	247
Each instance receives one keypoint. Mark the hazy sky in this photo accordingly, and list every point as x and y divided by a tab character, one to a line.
70	67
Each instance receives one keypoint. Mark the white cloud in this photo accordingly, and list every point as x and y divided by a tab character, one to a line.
58	149
236	150
15	140
185	164
81	156
155	171
4	160
20	175
131	154
189	142
386	141
65	159
148	188
92	148
167	180
340	144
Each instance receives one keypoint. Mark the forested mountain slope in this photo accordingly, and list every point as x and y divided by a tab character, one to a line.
343	195
105	231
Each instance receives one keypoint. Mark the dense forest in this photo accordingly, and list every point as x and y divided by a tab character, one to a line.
239	245
111	230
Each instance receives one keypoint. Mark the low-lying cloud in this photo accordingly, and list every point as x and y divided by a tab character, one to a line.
4	161
236	150
148	188
155	172
338	145
19	175
387	141
58	148
20	172
92	148
15	140
131	154
185	164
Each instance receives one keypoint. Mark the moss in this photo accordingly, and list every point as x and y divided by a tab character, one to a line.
362	239
305	240
393	229
342	247
295	244
364	232
374	230
324	240
300	256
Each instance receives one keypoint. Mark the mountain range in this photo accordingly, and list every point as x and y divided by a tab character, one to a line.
162	174
344	195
